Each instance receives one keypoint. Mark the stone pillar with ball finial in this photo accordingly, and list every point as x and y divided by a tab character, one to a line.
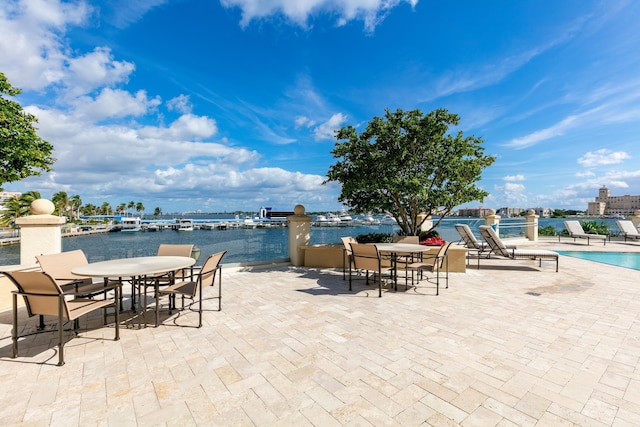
40	232
532	225
299	234
493	220
635	219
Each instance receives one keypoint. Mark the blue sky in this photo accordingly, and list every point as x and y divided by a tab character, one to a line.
223	105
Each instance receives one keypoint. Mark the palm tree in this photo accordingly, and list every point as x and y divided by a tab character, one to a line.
157	212
140	208
89	209
121	209
61	202
17	207
75	203
131	205
105	209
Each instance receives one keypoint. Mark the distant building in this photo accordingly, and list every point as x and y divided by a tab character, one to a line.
543	212
474	212
509	212
6	195
606	204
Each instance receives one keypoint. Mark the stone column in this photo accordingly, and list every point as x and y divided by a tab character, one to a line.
299	235
532	225
40	232
493	220
635	218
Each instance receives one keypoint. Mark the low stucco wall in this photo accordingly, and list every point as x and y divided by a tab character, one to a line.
331	256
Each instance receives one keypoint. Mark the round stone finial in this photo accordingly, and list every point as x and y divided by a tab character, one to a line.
637	213
531	212
492	211
42	207
298	210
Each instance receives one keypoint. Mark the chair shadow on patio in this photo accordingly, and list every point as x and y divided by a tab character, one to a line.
331	283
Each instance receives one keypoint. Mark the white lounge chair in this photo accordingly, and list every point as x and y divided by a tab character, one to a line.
472	243
575	230
628	229
498	247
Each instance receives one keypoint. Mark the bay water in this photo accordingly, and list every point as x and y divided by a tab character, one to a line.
249	245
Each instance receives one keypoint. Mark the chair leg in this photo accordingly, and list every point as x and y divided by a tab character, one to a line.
60	335
14	330
349	277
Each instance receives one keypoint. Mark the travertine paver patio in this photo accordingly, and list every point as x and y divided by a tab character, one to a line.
509	344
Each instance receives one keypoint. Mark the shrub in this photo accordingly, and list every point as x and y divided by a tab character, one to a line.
549	230
374	238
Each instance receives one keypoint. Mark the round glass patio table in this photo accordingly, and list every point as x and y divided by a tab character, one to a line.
135	268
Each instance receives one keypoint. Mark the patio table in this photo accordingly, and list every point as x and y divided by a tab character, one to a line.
395	250
136	268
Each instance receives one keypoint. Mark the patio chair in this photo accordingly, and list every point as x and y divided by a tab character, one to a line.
402	260
43	296
433	264
473	244
165	279
499	248
575	230
192	288
628	229
165	249
59	267
346	254
367	258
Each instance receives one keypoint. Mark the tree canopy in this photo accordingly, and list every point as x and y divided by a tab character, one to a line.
407	163
22	152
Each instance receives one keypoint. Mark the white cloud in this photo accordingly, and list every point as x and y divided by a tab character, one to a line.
114	103
303	121
180	103
372	12
585	174
327	129
94	70
602	157
35	58
510	178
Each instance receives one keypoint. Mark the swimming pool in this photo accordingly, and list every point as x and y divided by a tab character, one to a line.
620	259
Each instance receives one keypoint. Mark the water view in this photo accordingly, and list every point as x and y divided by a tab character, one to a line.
249	245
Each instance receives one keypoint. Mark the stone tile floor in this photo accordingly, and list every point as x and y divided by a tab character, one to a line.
510	344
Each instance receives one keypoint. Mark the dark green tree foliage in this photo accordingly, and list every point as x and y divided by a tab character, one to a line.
22	152
406	163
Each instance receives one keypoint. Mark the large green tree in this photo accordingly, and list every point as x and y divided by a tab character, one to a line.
22	152
408	163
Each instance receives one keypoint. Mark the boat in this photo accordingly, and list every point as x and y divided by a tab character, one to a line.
184	224
388	220
130	225
345	217
368	219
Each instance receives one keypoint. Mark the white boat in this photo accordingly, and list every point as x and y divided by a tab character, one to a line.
249	223
184	225
345	217
129	225
388	220
368	219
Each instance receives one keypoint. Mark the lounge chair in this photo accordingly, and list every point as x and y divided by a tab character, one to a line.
472	243
434	264
575	230
44	297
368	259
628	229
192	288
499	248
